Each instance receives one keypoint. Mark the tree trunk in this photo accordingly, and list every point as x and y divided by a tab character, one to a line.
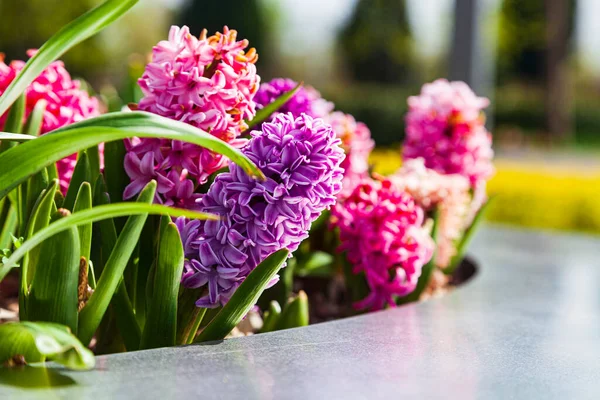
558	93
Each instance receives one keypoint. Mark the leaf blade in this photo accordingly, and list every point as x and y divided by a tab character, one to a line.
63	142
161	322
92	215
243	298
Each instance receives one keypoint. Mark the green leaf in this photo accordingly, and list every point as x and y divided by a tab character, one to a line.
82	173
161	323
189	316
318	263
35	186
114	170
463	245
41	341
264	113
93	154
84	202
14	122
53	294
63	142
125	318
295	314
10	220
92	313
92	215
40	218
68	36
15	137
244	298
427	269
33	127
271	317
122	308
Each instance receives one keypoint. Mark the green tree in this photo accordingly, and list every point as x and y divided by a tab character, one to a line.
376	43
522	41
247	17
27	24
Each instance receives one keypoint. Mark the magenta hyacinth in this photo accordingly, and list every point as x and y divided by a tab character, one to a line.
381	231
445	126
207	82
300	158
357	143
306	100
65	102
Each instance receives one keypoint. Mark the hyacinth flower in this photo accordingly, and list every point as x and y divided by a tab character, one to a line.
306	100
300	158
357	143
381	230
449	194
445	127
208	82
65	103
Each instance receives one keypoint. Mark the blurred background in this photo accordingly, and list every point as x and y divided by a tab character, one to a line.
535	59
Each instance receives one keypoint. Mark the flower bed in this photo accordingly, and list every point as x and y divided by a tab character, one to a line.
212	189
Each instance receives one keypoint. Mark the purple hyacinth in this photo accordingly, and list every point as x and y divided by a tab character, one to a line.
306	100
300	158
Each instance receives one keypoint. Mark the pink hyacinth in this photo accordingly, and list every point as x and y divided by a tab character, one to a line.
381	230
357	144
65	102
208	82
445	126
450	194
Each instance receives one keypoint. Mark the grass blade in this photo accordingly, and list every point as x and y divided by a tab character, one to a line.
61	143
41	341
264	113
68	36
161	323
53	295
244	298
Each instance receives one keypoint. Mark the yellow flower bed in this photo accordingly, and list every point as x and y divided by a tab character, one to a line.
533	194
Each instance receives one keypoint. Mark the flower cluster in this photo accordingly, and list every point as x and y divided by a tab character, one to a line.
306	100
448	193
357	143
208	82
64	99
445	126
300	158
381	230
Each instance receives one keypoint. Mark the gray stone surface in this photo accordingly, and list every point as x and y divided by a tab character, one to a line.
526	327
